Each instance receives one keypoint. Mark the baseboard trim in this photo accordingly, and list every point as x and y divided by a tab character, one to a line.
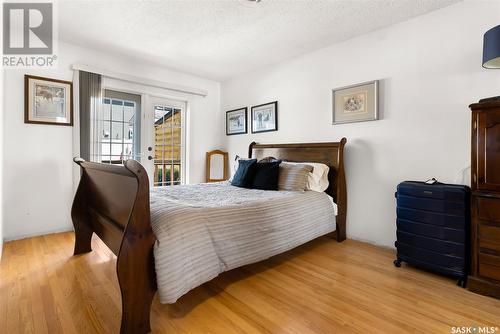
38	234
371	242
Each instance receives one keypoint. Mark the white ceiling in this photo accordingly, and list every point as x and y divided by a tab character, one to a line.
219	39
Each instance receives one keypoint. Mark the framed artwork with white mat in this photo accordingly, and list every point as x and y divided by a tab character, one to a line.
48	101
356	103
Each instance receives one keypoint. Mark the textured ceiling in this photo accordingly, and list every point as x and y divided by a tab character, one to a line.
221	39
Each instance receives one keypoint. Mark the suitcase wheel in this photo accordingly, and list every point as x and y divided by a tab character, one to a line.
397	263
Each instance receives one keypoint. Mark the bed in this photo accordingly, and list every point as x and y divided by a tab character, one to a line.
176	238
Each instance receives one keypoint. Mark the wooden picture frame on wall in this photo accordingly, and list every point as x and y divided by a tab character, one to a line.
48	101
265	117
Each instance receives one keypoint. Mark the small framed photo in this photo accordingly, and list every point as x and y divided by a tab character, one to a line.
48	101
355	103
265	117
236	121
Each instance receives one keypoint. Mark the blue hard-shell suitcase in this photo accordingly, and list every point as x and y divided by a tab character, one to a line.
433	227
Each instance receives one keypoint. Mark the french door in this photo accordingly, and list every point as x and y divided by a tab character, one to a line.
156	140
164	141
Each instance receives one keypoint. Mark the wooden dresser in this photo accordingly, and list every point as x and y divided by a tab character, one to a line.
485	184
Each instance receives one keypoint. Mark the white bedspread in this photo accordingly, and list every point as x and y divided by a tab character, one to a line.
205	229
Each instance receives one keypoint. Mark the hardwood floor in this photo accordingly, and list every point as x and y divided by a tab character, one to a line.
321	287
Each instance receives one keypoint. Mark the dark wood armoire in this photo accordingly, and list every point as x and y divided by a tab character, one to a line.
485	184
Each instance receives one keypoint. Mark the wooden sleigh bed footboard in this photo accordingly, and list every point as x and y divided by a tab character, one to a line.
112	201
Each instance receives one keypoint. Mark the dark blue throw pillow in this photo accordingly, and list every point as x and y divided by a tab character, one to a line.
244	174
266	175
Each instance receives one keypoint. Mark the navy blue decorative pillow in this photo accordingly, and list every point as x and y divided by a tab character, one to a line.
266	175
244	174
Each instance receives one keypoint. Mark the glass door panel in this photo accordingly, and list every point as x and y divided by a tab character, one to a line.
167	145
119	122
166	160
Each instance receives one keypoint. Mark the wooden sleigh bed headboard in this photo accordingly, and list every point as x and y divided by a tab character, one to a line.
113	202
330	154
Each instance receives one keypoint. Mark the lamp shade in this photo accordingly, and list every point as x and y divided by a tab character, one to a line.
491	48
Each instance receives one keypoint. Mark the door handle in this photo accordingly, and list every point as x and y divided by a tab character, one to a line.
150	148
150	157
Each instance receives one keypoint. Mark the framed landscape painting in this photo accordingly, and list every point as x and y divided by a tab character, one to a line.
236	121
48	101
355	103
265	117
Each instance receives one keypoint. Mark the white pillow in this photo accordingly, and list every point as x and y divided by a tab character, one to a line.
318	178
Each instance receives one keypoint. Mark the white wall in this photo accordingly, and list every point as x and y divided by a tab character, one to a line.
430	68
37	165
1	159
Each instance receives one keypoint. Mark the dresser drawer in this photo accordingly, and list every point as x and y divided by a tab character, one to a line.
489	237
489	209
489	266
